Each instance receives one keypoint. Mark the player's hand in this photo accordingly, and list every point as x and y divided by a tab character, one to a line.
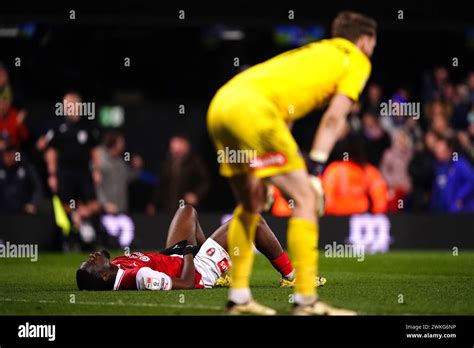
269	197
111	208
97	177
53	183
41	143
317	186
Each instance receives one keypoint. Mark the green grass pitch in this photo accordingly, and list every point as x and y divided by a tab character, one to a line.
415	283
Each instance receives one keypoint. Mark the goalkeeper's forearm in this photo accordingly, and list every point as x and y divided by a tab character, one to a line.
329	130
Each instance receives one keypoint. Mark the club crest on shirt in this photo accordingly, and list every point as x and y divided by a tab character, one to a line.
210	251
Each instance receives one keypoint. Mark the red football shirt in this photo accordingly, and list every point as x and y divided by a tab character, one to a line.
131	264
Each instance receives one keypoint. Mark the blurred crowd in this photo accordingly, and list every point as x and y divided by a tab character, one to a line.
86	176
413	162
382	163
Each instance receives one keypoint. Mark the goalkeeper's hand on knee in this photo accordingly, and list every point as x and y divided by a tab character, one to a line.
269	197
317	186
315	170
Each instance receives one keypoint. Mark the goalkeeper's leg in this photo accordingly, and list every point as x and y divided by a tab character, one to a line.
302	232
249	192
303	243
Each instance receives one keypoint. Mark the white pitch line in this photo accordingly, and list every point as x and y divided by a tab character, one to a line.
117	303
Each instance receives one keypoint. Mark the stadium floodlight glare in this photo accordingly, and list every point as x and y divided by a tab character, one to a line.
232	35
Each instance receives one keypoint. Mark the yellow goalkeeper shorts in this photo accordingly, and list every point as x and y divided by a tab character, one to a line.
250	135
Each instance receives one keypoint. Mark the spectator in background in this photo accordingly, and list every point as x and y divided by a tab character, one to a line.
12	126
183	176
394	168
114	173
434	84
377	140
20	186
466	137
470	86
374	97
461	106
114	176
71	152
3	142
414	131
354	186
389	124
453	187
421	170
439	124
6	92
438	116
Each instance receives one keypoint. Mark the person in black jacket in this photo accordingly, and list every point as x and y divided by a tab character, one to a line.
183	177
20	186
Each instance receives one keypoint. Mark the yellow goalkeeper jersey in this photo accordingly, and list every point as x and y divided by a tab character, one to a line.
305	78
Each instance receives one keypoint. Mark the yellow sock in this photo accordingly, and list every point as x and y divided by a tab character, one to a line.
303	248
240	238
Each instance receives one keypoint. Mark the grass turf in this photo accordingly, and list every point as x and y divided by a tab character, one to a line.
427	282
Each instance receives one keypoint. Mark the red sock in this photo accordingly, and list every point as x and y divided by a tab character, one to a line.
283	264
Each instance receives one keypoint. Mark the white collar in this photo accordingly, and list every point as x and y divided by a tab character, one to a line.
118	278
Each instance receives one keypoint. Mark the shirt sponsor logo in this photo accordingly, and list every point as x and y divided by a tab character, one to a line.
156	284
223	265
274	159
140	256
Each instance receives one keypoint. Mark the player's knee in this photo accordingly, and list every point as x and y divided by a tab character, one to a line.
253	205
188	210
305	200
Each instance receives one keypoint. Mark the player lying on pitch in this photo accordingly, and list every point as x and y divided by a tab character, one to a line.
189	260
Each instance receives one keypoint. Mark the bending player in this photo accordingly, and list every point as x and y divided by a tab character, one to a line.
190	260
251	112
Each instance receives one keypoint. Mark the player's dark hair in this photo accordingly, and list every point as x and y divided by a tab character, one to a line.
91	281
353	25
